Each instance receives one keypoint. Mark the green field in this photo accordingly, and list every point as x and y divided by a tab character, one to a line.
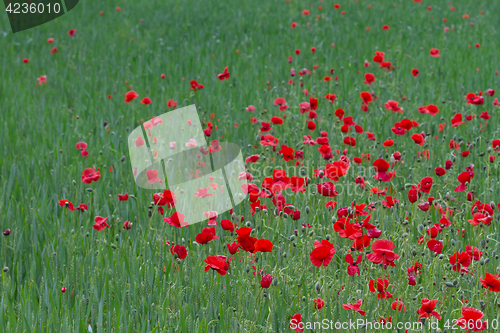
128	280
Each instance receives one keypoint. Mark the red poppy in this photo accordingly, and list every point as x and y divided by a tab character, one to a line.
130	96
331	97
322	254
206	235
327	189
126	225
100	223
224	75
246	242
456	120
435	53
366	97
296	323
435	246
233	248
89	175
355	307
369	78
427	309
318	303
491	282
152	176
146	101
381	167
266	281
123	197
425	184
471	320
380	286
176	220
414	72
178	251
418	139
383	251
398	305
166	198
353	268
217	263
195	85
460	262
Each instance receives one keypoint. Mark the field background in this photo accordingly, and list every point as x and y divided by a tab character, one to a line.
123	280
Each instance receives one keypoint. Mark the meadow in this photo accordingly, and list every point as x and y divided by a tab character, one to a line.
370	139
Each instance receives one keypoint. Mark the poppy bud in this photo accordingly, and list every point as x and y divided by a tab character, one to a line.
5	269
248	224
307	209
482	243
449	285
122	159
6	232
63	289
74	182
421	228
452	242
89	190
317	286
304	298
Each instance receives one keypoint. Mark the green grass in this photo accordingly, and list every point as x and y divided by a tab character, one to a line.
133	287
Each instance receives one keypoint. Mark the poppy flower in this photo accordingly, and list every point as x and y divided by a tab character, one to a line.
460	262
425	184
318	303
53	50
381	167
277	120
471	320
414	72
327	189
146	101
474	99
435	53
380	286
227	225
296	323
398	305
123	197
263	245
322	254
72	32
464	177
331	97
166	198
435	246
353	268
195	85
206	235
244	239
100	223
176	220
89	175
152	176
456	120
355	307
383	251
224	75
178	251
266	281
427	309
217	263
369	78
130	96
366	97
429	109
233	248
418	139
126	225
311	125
491	282
393	106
